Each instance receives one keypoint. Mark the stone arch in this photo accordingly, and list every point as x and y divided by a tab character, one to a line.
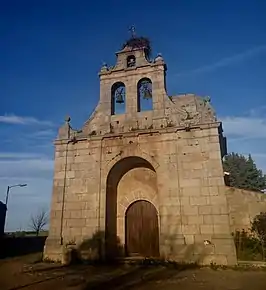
126	153
113	226
144	95
125	203
137	195
118	98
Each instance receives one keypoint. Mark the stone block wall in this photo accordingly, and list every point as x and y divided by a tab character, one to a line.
243	206
75	198
169	156
193	206
186	188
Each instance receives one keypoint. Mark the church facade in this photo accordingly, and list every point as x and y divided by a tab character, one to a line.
145	172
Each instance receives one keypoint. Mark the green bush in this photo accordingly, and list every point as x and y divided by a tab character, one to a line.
248	246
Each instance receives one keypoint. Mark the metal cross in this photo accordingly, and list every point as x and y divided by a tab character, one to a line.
132	29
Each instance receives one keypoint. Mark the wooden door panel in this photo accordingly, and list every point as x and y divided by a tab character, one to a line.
142	234
134	226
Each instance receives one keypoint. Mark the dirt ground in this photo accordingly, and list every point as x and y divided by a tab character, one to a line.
26	273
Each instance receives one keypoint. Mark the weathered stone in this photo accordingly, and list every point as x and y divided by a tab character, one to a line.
170	157
207	229
243	207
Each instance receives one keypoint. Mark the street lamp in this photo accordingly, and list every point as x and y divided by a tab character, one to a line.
8	189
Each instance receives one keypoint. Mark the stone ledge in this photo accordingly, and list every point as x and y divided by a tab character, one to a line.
136	133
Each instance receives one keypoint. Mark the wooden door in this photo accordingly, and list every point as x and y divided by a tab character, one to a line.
142	232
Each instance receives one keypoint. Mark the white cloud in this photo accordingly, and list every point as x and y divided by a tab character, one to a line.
245	127
49	133
18	155
21	120
247	135
26	167
36	170
227	61
260	111
26	157
260	155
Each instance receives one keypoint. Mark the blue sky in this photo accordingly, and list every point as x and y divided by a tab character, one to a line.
51	52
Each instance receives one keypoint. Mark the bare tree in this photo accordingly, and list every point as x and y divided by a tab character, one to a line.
38	221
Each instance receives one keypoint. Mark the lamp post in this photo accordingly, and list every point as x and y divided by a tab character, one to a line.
8	189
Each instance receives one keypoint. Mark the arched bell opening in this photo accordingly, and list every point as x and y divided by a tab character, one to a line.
144	98
118	98
131	61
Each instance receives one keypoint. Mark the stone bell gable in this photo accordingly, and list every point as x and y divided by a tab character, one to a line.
134	66
145	170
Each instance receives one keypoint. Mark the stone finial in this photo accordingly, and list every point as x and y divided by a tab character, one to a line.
104	67
207	100
158	57
132	29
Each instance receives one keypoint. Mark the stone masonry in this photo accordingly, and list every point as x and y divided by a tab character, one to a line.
170	156
244	205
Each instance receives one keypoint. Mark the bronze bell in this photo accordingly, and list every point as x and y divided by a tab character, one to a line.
119	96
147	94
119	99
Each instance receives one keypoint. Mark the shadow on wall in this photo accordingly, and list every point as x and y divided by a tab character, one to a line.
18	246
98	249
93	250
195	253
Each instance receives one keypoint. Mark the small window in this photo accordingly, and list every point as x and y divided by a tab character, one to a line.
118	98
145	95
131	61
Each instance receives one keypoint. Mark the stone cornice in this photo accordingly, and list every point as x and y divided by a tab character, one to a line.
117	70
137	133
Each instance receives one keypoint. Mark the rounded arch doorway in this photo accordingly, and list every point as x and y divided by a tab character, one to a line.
142	231
115	212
